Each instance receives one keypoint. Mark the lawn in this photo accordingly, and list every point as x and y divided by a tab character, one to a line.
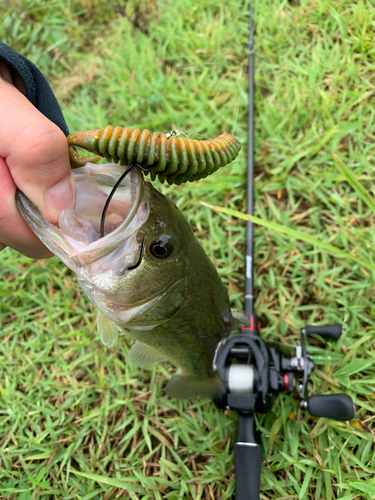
77	420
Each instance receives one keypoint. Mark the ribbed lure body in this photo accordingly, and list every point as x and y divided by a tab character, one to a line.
174	159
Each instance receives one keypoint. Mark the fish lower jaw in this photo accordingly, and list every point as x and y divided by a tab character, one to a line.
95	229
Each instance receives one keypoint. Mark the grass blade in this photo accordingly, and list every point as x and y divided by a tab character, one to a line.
294	234
355	184
119	483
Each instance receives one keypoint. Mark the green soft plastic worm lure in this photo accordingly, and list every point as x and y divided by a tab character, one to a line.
173	159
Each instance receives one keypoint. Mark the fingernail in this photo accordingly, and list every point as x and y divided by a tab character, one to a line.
60	196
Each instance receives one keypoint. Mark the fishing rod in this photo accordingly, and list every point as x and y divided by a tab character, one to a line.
253	371
249	274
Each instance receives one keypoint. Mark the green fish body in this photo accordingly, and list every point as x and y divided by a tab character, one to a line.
148	275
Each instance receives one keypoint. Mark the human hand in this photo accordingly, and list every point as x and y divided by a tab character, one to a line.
34	158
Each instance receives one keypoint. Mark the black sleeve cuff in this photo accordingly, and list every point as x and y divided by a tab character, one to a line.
39	93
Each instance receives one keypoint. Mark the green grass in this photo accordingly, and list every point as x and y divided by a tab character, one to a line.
77	420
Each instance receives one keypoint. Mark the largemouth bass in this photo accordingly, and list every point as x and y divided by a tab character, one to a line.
148	275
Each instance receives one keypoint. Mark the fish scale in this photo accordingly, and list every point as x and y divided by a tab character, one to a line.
171	300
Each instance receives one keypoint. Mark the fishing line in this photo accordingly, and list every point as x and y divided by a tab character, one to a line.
221	88
240	95
251	50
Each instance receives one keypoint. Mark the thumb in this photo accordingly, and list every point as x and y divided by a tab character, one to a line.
36	153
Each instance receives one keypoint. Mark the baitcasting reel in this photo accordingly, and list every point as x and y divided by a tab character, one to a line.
254	373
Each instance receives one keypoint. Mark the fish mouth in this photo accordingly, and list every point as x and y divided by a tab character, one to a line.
76	239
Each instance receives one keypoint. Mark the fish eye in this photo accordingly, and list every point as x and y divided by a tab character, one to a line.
161	248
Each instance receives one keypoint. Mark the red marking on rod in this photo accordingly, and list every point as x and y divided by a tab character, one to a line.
286	381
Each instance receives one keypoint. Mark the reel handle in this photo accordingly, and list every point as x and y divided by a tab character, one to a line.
332	332
336	406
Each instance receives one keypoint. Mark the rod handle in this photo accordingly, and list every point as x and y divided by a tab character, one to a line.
332	332
336	406
248	464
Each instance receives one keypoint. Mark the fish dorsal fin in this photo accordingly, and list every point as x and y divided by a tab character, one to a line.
240	319
143	355
108	329
181	386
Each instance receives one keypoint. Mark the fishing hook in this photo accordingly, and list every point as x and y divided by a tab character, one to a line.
111	194
140	255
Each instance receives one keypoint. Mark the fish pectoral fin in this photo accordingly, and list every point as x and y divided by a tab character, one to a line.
144	355
161	308
108	329
182	386
240	319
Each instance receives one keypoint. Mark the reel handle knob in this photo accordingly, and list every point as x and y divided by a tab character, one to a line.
336	406
332	332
